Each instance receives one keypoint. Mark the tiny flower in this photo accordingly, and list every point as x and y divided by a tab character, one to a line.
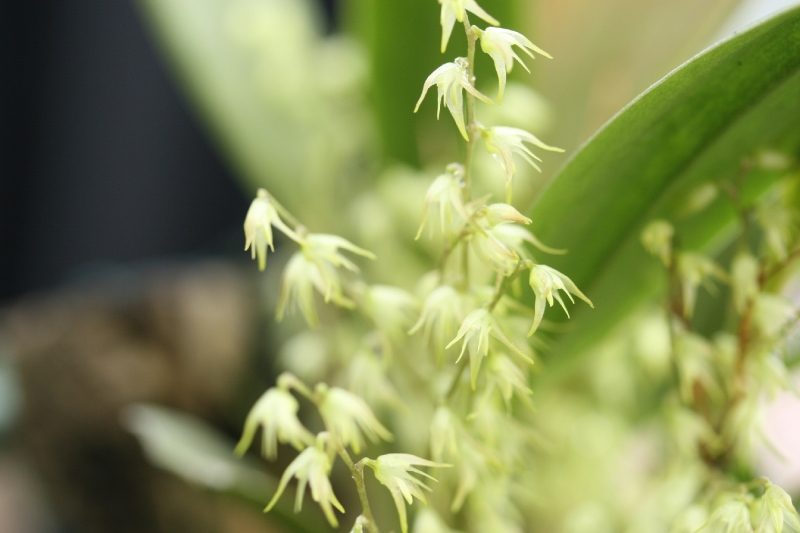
344	413
778	222
359	524
258	223
312	467
391	309
498	241
445	194
276	412
546	282
366	377
772	313
694	358
508	378
744	280
454	10
694	269
441	316
730	517
488	245
476	330
699	198
498	42
444	434
429	521
657	240
450	79
315	267
774	511
394	470
300	277
322	247
503	142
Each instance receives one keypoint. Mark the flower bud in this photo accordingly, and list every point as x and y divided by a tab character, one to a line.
657	240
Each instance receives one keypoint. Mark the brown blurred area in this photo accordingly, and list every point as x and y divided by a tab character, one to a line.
179	337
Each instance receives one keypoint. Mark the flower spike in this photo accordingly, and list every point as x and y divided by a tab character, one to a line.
454	10
498	42
449	79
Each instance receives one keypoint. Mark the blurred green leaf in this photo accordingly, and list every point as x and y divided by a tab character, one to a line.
693	126
195	451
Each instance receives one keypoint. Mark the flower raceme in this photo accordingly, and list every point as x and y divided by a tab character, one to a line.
394	471
498	43
455	10
450	80
312	467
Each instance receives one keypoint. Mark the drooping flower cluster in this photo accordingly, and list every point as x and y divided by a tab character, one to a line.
720	378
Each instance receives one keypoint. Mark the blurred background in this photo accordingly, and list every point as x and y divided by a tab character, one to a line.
134	134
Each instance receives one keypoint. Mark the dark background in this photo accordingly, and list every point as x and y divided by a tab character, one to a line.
101	163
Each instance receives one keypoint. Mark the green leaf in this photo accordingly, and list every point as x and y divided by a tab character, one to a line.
693	126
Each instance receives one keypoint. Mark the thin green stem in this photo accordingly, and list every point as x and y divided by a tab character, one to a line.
283	212
507	281
466	193
357	471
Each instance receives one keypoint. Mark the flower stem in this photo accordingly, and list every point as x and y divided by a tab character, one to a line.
283	212
466	192
507	281
357	471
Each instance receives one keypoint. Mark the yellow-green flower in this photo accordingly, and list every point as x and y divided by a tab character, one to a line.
503	142
394	471
315	267
346	416
258	223
312	468
476	331
498	43
774	512
454	10
450	79
445	195
276	412
695	269
546	282
744	280
657	240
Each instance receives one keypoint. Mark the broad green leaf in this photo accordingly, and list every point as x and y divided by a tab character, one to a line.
693	126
